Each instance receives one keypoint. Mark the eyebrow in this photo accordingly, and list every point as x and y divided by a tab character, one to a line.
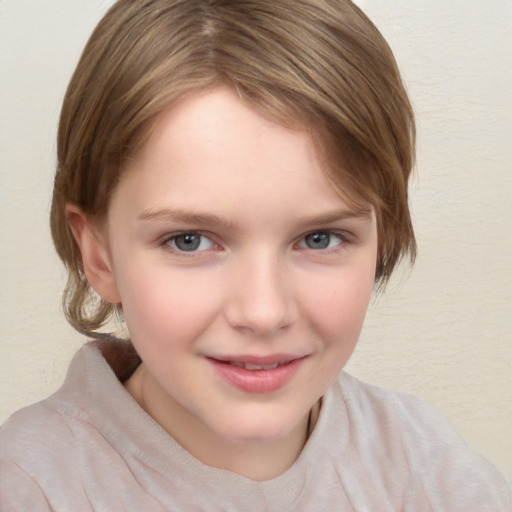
185	217
341	214
209	219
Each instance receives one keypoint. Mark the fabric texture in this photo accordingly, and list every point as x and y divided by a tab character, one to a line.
90	447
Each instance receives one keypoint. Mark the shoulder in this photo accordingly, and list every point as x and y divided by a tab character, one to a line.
398	427
53	451
36	433
37	447
410	414
19	491
53	429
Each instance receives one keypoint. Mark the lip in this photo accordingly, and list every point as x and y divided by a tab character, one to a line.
257	381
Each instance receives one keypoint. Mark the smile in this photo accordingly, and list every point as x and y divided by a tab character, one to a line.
257	375
249	366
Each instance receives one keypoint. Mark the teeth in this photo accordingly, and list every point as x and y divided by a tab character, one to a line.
249	366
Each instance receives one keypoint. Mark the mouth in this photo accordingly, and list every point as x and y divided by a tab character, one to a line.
257	374
252	363
249	366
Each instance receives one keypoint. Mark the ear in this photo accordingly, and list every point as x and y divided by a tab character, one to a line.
95	255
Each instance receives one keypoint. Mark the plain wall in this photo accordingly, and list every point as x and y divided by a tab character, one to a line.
442	331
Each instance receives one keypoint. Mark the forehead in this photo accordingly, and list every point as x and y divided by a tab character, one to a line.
219	116
210	147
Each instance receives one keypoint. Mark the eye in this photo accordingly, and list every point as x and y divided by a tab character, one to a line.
189	242
321	240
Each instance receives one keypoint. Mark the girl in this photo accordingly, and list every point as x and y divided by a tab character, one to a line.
232	183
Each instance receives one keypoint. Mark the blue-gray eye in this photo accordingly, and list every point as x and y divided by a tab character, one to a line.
321	240
189	242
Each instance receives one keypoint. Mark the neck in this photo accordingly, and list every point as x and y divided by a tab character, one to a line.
259	460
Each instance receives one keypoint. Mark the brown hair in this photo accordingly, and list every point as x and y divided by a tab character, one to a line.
319	64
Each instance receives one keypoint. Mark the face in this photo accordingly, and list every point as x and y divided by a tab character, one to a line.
243	276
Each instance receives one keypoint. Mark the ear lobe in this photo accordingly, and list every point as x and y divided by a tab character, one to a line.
95	257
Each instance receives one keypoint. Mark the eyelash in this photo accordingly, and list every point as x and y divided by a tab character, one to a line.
341	236
166	241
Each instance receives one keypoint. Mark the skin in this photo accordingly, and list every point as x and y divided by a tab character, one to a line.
253	194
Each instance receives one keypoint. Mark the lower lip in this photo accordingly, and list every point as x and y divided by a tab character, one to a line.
257	381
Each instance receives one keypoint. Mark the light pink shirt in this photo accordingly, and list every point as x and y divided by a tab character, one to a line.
91	447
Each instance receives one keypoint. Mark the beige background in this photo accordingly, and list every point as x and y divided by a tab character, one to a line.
442	331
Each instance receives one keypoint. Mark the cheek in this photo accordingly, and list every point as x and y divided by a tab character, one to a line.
164	305
339	306
338	311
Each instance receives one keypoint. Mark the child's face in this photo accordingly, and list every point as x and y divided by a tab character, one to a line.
228	247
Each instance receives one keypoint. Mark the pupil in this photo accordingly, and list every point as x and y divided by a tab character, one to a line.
318	240
188	242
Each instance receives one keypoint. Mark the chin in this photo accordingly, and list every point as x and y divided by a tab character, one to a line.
258	432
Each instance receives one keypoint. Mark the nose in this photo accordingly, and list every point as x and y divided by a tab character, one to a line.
261	299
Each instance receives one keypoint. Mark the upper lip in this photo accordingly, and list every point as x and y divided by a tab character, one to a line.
257	360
